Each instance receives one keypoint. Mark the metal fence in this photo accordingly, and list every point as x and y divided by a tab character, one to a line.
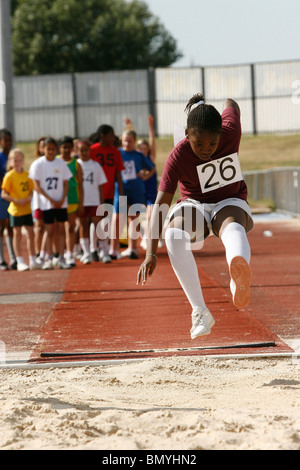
76	104
281	185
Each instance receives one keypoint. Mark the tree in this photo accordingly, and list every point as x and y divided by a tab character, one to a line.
54	36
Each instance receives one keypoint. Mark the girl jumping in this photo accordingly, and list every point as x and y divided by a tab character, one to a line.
213	201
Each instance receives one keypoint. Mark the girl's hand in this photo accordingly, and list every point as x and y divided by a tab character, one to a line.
146	268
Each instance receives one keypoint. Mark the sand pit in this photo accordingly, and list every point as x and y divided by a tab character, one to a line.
177	403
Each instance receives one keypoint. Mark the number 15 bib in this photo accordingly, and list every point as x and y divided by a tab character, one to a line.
218	173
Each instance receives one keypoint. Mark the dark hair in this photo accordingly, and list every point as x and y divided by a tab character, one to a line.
104	129
204	116
49	140
4	132
66	140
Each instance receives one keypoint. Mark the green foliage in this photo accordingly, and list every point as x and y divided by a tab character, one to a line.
57	36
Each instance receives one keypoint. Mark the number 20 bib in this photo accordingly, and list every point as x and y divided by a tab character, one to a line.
218	173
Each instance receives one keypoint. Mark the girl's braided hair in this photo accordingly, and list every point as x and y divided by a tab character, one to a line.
202	116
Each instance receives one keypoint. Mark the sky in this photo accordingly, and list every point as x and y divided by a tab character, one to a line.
230	32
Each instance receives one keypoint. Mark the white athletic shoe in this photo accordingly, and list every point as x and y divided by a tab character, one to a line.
114	254
129	253
70	261
40	261
22	267
63	265
55	261
48	265
202	322
34	265
105	258
240	281
86	259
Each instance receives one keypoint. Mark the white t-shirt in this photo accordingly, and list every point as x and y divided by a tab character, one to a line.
51	175
93	177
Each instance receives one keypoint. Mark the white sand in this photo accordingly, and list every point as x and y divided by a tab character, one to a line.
177	403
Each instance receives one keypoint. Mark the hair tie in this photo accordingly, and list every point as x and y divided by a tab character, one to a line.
197	104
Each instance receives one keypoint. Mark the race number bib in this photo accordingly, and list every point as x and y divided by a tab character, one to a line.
218	173
129	173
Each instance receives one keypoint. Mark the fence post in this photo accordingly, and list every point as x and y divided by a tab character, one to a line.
253	98
74	92
152	96
203	80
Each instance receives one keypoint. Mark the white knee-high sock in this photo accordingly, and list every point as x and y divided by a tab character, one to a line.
236	243
178	243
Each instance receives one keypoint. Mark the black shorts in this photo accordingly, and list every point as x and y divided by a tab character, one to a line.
21	220
61	215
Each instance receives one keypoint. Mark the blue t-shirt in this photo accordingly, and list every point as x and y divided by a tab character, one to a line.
3	165
134	162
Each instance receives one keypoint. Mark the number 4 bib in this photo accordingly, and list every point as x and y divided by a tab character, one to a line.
218	173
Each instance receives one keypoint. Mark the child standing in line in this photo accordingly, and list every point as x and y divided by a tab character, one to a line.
75	195
213	201
35	205
17	189
93	180
109	157
134	189
148	148
6	145
51	179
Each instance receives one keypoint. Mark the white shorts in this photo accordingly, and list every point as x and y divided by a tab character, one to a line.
210	210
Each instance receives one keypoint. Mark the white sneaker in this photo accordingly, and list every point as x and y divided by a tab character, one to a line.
40	261
202	322
115	254
70	261
86	259
240	281
34	265
55	261
22	267
62	264
105	258
129	253
48	265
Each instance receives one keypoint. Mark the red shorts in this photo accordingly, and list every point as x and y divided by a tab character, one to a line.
89	211
38	214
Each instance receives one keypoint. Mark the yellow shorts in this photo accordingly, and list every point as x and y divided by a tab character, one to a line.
72	208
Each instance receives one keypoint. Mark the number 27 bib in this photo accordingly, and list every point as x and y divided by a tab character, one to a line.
218	173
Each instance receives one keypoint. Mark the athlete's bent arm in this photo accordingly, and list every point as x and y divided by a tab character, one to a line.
158	215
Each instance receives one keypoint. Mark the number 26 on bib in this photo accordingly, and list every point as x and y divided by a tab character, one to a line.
218	173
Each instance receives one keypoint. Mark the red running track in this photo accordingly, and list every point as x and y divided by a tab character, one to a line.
103	315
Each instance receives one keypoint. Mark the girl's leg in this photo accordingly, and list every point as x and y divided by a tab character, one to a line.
9	244
38	235
84	232
70	235
17	236
31	248
230	225
30	241
178	237
133	231
47	241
